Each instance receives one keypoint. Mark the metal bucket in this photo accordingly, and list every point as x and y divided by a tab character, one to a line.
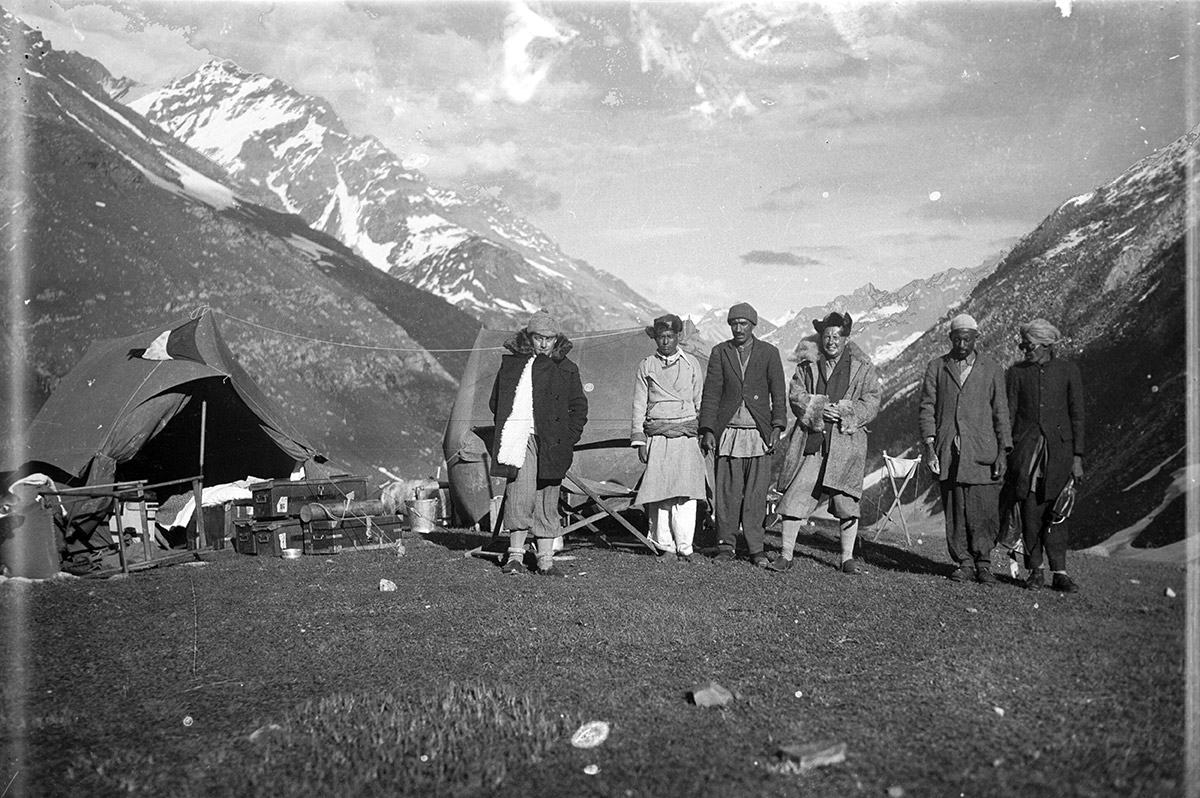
422	514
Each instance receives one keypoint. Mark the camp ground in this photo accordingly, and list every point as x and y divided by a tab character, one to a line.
169	412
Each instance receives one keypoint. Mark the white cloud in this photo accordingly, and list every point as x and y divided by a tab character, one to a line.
522	75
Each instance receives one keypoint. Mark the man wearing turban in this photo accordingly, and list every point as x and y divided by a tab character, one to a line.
966	434
1045	398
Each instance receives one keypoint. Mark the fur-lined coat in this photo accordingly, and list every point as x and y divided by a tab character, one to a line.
560	407
847	461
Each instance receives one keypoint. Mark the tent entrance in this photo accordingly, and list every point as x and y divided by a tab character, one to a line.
235	444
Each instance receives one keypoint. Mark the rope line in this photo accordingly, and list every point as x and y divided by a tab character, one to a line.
605	334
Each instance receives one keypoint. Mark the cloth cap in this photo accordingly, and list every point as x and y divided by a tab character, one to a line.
542	323
743	310
834	319
1040	331
668	321
963	321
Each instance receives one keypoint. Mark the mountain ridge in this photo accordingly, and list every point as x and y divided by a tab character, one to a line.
472	250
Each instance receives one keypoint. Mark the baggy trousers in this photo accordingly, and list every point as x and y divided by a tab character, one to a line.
972	522
672	524
529	503
1040	535
741	499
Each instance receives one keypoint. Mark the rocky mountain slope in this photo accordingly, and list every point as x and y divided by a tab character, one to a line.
1108	268
118	228
470	249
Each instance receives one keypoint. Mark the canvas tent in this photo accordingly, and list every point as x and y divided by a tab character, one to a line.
607	362
131	410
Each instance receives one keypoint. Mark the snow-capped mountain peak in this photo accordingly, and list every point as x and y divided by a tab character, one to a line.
471	250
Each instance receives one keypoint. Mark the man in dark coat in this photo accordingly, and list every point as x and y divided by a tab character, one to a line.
1045	398
743	410
966	435
540	411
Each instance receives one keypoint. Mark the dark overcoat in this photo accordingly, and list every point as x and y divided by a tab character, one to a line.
976	411
1044	400
560	407
763	389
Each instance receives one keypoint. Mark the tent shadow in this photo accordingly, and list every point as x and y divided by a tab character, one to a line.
464	539
894	558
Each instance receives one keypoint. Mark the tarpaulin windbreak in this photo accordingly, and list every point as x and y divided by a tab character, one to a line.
607	361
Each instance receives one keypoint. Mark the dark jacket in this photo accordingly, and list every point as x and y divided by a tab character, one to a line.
1045	400
559	405
977	412
764	389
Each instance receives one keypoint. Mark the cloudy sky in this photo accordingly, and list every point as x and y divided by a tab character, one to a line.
707	153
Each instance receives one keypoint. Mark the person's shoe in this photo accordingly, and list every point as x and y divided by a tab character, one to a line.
685	557
851	566
552	571
984	576
760	561
960	575
724	555
1034	581
1063	584
780	564
513	566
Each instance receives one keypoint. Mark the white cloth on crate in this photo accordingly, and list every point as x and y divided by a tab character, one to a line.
519	425
212	496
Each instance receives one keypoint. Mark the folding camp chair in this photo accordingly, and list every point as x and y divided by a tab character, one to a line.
903	469
602	498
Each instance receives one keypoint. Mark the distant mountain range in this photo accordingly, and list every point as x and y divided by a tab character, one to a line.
885	322
471	250
122	228
1108	268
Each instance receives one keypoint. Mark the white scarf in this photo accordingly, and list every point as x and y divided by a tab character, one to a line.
514	437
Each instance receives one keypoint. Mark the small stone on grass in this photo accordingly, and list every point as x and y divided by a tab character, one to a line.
710	694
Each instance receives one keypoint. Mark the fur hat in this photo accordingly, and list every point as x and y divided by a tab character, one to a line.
668	321
963	321
743	310
542	323
834	319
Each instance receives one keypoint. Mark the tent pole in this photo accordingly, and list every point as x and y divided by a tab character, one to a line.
121	537
198	485
145	523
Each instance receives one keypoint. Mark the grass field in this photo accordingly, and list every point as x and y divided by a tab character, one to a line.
260	676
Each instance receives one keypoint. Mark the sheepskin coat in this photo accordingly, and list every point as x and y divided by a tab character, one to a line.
560	407
847	460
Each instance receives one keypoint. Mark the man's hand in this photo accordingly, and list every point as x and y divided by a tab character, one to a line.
708	442
643	453
931	460
831	413
773	441
1077	468
1000	467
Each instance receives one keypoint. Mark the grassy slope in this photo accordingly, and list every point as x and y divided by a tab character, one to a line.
482	673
